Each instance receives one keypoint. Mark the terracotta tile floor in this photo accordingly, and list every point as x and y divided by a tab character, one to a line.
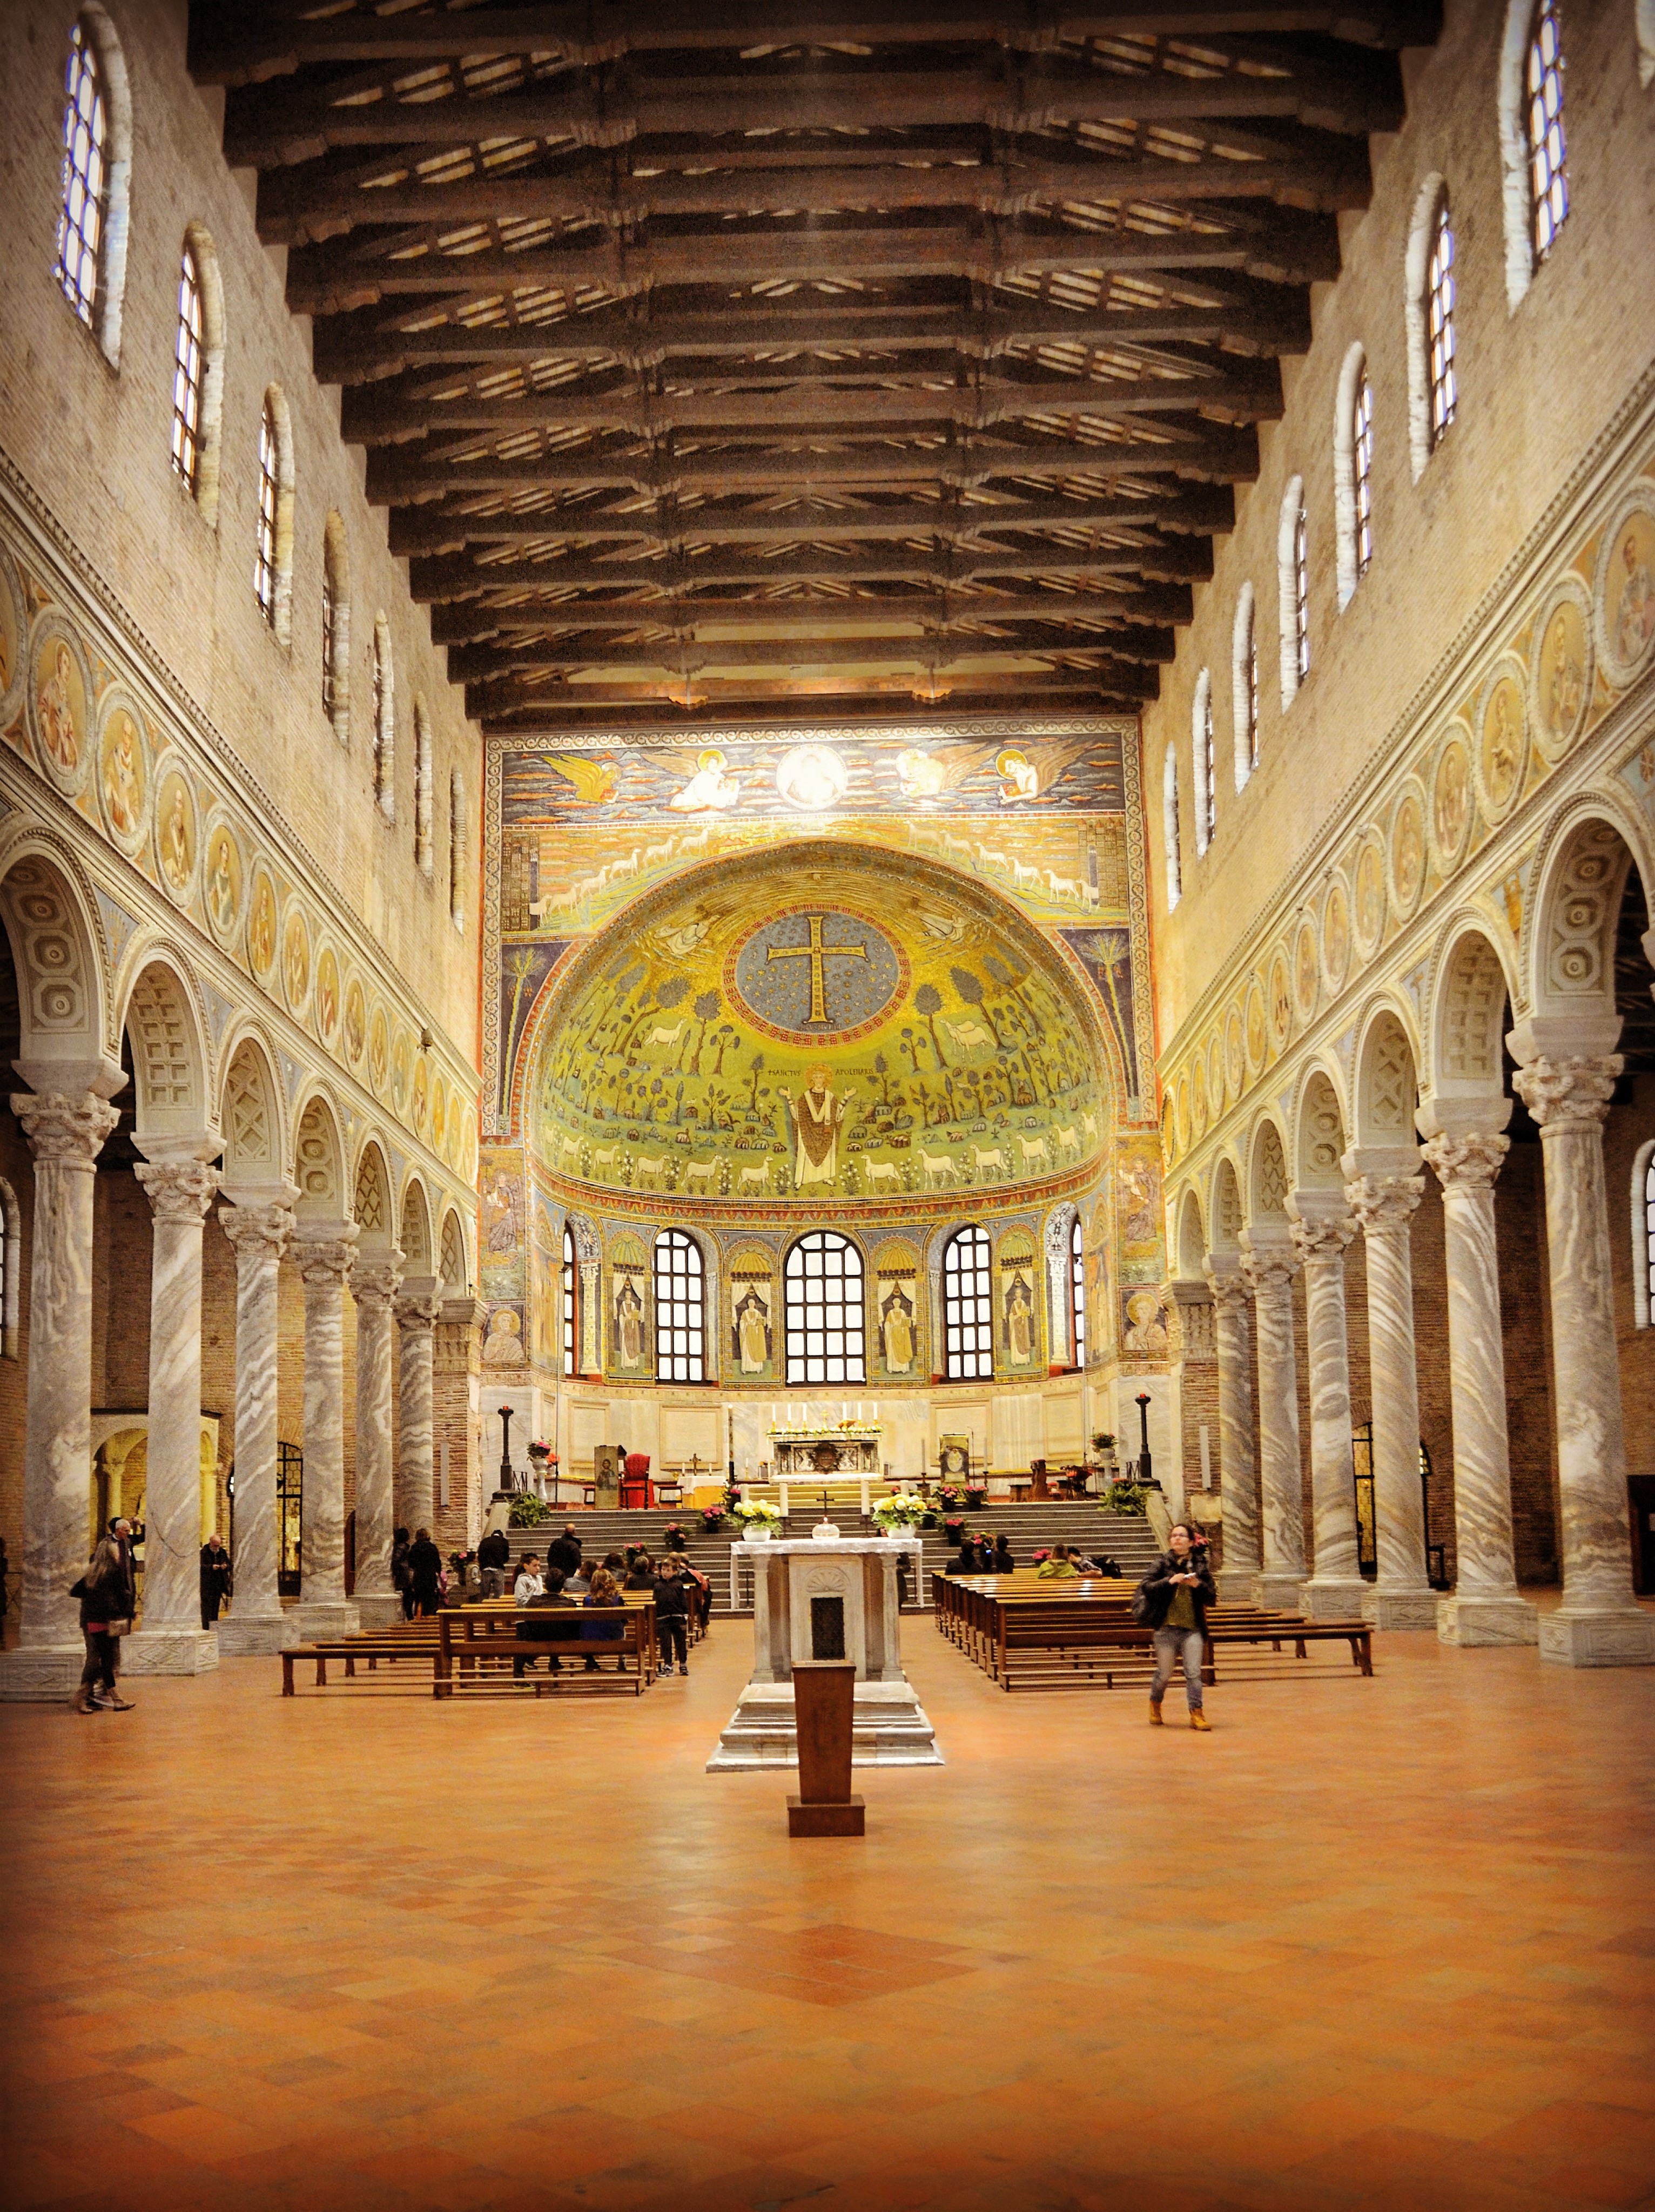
1385	1943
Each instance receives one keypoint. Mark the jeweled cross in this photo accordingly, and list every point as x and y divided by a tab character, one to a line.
818	954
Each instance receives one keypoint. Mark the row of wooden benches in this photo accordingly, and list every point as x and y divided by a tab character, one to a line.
478	1650
1028	1634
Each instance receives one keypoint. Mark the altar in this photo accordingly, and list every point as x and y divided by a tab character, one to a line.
836	1448
829	1597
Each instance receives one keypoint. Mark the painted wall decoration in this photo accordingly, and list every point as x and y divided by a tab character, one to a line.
752	1315
1143	1333
1017	1316
502	1344
628	1290
1106	956
896	1331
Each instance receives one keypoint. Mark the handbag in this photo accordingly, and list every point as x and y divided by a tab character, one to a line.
1143	1608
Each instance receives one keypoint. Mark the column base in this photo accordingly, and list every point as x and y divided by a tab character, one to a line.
889	1726
322	1621
1280	1593
1337	1597
1237	1585
40	1674
1620	1638
1401	1609
170	1651
377	1611
1469	1619
251	1635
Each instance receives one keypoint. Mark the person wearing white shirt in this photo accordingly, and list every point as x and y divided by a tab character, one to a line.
528	1583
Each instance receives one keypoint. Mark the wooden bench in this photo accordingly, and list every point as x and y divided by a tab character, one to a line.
496	1621
489	1651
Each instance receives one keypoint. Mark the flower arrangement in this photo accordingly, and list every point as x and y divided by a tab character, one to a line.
902	1509
1103	1442
712	1518
541	1450
1042	1556
950	1496
675	1537
757	1512
977	1497
953	1528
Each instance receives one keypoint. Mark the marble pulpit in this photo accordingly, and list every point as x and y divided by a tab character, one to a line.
829	1597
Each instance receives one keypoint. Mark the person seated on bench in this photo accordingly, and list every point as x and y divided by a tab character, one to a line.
577	1584
1173	1601
1000	1561
640	1575
528	1585
604	1596
1058	1567
530	1631
965	1561
675	1589
615	1564
1100	1565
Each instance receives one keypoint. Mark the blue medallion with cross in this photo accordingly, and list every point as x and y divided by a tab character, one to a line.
816	972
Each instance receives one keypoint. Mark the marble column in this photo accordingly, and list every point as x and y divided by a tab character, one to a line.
591	1358
65	1133
258	1234
325	1251
1336	1590
417	1318
1599	1624
1266	1264
456	1405
172	1640
1400	1596
374	1283
1238	1578
1485	1606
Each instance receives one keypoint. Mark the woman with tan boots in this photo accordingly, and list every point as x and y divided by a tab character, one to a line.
1173	1600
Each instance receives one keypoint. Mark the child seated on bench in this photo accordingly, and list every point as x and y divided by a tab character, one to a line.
531	1631
603	1596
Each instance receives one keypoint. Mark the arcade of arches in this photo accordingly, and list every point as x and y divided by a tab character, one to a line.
920	737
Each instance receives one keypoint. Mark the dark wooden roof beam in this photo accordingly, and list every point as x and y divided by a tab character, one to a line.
675	657
504	705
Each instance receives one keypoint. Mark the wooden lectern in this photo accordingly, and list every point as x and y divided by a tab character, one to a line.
823	1691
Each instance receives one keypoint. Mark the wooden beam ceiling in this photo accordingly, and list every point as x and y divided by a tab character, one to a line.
713	354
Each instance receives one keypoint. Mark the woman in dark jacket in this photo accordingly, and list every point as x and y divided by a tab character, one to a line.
424	1573
1174	1597
604	1596
102	1592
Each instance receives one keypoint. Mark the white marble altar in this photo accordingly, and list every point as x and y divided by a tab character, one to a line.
854	1579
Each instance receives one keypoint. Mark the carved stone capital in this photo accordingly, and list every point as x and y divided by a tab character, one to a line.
1568	1094
1229	1289
1323	1238
1270	1269
417	1313
326	1262
376	1283
64	1131
1471	1161
258	1232
179	1191
1382	1204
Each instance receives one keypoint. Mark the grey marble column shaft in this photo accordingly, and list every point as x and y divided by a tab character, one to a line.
65	1133
172	1640
1400	1596
1237	1467
1599	1622
374	1285
591	1358
258	1235
1335	1587
1485	1606
325	1252
417	1318
1268	1266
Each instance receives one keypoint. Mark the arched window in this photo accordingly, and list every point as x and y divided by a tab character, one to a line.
1549	175
1441	287
85	199
385	720
1078	1291
1361	433
424	797
1293	590
1206	763
1244	685
336	631
272	568
571	1293
968	1322
1170	826
823	1287
264	566
188	372
1642	1237
1353	474
457	841
681	1308
1431	289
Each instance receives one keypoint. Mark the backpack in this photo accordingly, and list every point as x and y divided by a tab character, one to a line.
1144	1608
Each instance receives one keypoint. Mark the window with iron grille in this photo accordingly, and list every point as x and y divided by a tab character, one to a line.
571	1279
1078	1291
1440	290
1301	586
329	641
186	374
1549	173
1209	769
823	1284
967	1325
85	195
1362	462
264	566
681	1308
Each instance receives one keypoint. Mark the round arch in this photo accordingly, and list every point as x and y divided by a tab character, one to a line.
318	1156
1321	1140
252	1112
160	1017
1191	1240
371	1207
1387	1080
417	1240
1567	948
1267	1183
1225	1216
62	988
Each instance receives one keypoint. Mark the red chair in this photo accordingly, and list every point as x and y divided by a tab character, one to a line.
637	1491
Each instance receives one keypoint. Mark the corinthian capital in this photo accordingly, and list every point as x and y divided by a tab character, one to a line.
64	1131
1267	1268
1568	1094
1322	1238
1470	1161
1382	1204
326	1260
376	1282
417	1312
180	1191
1229	1289
258	1232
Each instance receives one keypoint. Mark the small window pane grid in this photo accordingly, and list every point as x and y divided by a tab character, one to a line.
1445	381
379	715
1253	696
1649	1234
186	374
85	178
681	1308
1548	175
570	1277
264	566
824	1311
330	634
968	1322
1175	844
1209	762
1301	586
1362	467
1077	1292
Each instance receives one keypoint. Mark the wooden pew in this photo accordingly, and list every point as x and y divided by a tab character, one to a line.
486	1651
421	1641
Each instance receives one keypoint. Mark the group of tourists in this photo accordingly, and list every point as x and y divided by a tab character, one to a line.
563	1580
